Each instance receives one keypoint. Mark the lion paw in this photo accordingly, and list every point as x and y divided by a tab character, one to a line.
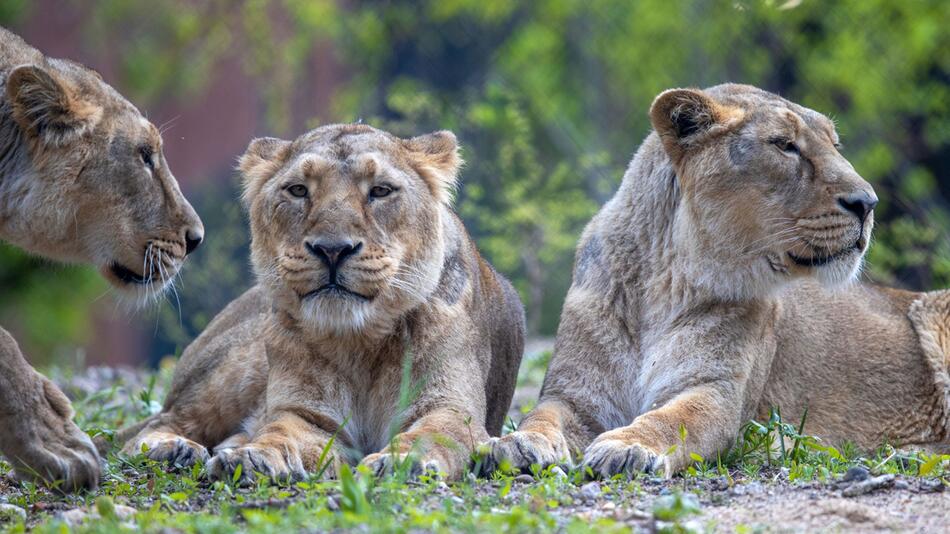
520	450
609	457
383	463
176	451
254	460
48	446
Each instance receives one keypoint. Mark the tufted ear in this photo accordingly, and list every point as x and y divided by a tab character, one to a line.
683	117
262	159
436	158
47	109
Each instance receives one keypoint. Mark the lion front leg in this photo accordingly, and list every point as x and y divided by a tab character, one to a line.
540	441
440	442
288	448
39	437
702	420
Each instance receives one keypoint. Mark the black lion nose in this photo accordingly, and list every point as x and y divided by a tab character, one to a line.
860	203
332	254
193	238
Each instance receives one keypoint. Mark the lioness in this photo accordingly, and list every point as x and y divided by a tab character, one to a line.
362	266
719	283
82	179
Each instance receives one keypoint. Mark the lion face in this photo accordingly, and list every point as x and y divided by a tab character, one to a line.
765	182
96	184
346	222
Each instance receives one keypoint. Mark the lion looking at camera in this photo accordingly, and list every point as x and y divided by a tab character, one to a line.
364	271
719	282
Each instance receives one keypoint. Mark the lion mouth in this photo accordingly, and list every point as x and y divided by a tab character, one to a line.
128	276
823	258
335	289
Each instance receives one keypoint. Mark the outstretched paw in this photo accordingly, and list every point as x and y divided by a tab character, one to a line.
47	446
253	461
520	451
608	457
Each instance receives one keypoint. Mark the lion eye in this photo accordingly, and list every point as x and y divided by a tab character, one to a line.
297	190
145	152
380	191
785	145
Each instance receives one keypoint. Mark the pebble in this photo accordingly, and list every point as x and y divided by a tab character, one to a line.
332	504
856	474
524	479
901	485
11	511
591	491
867	486
931	485
558	473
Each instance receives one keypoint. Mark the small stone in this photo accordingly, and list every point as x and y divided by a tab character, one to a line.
867	486
332	504
591	491
608	506
901	485
857	473
931	485
754	488
738	490
524	479
558	473
10	512
665	491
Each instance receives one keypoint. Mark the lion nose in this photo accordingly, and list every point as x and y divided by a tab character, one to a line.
860	203
333	253
193	238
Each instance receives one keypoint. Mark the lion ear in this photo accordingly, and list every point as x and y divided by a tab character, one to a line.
46	108
262	159
436	158
682	117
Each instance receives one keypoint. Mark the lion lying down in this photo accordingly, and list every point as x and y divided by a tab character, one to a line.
362	266
719	283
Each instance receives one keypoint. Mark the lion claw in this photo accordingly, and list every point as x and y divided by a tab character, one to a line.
610	457
522	450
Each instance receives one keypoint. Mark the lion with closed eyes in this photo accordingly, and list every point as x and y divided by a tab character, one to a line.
718	283
363	271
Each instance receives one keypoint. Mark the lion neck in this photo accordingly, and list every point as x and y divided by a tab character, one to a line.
664	255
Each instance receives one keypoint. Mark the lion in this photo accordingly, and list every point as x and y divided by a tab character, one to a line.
374	315
82	179
720	282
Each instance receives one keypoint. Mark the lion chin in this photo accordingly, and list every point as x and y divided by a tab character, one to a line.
336	311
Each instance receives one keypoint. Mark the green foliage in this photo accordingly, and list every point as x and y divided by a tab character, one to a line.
549	99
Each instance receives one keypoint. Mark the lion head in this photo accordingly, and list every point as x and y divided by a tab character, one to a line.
347	222
764	184
84	179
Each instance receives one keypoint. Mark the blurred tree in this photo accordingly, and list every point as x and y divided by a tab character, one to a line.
549	99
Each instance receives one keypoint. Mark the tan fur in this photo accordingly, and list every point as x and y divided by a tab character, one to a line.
74	187
688	314
283	368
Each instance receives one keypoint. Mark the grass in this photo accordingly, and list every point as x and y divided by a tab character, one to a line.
186	501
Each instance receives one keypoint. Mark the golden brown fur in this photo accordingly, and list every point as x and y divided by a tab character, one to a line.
717	284
75	186
281	369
